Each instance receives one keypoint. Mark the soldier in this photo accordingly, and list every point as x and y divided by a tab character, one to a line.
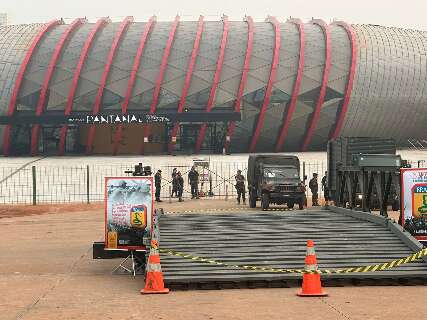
325	187
179	185
240	187
314	187
174	185
158	184
193	180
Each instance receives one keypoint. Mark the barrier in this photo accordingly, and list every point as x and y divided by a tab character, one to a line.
83	183
154	277
311	284
371	268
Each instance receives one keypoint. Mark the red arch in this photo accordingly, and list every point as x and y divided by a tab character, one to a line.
48	76
187	83
214	87
341	116
19	79
270	83
245	72
97	106
321	98
295	91
83	55
132	78
163	66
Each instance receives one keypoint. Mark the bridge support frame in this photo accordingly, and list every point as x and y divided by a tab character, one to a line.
367	184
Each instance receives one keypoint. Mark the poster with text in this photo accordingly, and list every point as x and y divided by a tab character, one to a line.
414	201
128	212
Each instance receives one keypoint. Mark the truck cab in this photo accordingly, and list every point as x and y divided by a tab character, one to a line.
275	179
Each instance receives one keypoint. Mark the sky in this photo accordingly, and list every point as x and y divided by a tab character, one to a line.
410	14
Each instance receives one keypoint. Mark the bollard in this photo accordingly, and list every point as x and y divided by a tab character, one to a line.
226	192
33	170
170	194
210	186
87	185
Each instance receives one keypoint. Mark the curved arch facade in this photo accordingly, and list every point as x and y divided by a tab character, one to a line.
387	97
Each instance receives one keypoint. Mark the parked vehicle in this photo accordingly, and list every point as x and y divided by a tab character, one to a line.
275	179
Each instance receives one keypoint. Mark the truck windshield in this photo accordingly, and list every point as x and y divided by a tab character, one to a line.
281	173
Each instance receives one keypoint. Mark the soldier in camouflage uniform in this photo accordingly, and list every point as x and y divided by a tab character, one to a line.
240	187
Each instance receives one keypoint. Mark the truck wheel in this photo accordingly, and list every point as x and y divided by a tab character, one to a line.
301	205
252	200
291	205
265	201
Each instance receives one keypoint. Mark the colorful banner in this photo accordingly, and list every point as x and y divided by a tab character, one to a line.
202	167
414	201
129	206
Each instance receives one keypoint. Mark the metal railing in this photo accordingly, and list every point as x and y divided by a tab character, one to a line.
36	184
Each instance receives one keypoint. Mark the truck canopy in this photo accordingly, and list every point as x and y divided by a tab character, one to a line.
280	160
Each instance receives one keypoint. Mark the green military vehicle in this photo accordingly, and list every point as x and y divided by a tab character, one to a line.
275	179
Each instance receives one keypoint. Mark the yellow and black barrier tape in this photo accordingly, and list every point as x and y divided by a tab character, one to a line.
209	210
371	268
227	210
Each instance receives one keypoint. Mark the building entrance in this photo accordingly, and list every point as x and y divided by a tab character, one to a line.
213	142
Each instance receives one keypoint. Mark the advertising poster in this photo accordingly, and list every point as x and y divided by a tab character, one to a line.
202	167
414	201
128	211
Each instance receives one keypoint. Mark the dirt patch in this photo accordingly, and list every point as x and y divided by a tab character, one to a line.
10	211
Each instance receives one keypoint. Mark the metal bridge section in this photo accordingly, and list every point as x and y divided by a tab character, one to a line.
343	238
368	182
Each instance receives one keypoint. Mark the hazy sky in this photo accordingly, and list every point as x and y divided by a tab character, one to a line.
408	14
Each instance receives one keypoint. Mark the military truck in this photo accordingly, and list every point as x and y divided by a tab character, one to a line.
275	179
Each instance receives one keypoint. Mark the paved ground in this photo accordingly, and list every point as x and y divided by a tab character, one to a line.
47	272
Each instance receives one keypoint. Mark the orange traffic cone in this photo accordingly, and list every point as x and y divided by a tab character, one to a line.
154	276
311	285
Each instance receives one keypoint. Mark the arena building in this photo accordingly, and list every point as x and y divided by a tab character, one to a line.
292	84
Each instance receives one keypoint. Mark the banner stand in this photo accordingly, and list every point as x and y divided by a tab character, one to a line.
137	265
414	202
129	206
129	223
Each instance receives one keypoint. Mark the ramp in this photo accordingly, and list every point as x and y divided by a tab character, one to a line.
343	239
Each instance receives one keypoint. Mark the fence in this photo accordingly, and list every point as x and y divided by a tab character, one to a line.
85	184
